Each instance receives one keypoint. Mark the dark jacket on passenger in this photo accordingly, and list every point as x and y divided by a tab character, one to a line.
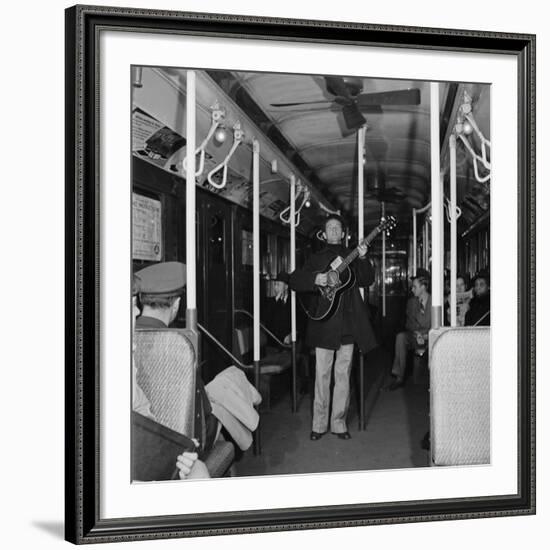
418	319
351	319
206	424
479	306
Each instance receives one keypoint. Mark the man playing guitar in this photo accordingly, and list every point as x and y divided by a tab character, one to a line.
333	335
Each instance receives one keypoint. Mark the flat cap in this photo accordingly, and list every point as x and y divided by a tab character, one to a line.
163	279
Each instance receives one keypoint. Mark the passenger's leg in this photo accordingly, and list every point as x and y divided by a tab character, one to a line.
323	367
340	400
400	358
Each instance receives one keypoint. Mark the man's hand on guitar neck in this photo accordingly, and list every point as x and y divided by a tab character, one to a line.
363	249
321	279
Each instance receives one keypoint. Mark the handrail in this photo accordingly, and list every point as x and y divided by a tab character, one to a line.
212	338
282	344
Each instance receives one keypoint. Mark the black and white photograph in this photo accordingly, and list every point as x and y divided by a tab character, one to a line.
270	275
301	278
318	298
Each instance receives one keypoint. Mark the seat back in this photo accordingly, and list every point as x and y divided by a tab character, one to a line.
460	396
243	342
166	364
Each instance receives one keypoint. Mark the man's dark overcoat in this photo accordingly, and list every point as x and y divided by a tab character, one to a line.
352	313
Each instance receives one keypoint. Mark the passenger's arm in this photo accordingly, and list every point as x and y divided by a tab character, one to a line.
190	467
199	471
425	327
303	280
411	323
364	272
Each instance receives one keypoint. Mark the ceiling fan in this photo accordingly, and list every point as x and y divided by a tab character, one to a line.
348	95
376	189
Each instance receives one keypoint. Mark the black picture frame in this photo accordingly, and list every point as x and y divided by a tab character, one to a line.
83	24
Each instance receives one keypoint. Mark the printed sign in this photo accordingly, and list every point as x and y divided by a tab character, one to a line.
152	139
146	228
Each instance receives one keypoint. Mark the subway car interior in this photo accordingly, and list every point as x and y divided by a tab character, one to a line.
404	166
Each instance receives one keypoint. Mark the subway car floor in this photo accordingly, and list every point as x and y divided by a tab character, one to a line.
395	425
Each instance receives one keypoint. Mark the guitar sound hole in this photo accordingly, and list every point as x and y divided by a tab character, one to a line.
332	278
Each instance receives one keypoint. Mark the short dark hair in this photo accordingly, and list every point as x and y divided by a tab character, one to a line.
482	275
423	280
465	278
157	302
336	217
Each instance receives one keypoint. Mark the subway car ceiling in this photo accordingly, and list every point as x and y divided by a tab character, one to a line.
302	128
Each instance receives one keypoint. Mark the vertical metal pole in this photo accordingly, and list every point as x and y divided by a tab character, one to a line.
190	199
437	210
452	151
292	293
256	273
361	165
383	264
414	242
425	245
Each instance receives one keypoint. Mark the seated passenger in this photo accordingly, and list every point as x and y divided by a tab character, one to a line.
188	465
463	297
417	324
161	288
478	313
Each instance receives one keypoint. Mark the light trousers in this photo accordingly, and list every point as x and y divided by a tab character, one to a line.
324	358
404	341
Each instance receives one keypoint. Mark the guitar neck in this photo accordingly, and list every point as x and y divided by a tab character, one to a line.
355	252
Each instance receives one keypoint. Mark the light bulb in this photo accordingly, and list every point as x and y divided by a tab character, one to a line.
220	135
467	128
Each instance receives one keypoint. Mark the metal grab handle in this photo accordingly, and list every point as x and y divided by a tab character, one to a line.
282	344
217	118
238	137
306	194
476	158
213	339
202	151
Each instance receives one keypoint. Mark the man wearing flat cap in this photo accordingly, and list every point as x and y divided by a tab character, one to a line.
417	325
187	463
161	287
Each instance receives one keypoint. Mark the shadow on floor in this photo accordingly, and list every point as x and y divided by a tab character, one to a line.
395	426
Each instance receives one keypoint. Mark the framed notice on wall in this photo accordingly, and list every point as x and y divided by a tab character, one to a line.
146	228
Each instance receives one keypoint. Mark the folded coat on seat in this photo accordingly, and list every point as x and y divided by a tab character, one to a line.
233	399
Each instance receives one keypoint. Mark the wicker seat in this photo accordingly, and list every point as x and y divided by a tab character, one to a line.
166	372
220	459
460	396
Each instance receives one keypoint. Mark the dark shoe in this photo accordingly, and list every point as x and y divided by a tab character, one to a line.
343	435
395	384
315	436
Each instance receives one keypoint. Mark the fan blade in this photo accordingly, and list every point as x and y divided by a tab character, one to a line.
397	97
306	110
336	86
391	194
352	116
299	103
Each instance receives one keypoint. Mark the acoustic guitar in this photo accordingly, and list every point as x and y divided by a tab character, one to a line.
340	277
